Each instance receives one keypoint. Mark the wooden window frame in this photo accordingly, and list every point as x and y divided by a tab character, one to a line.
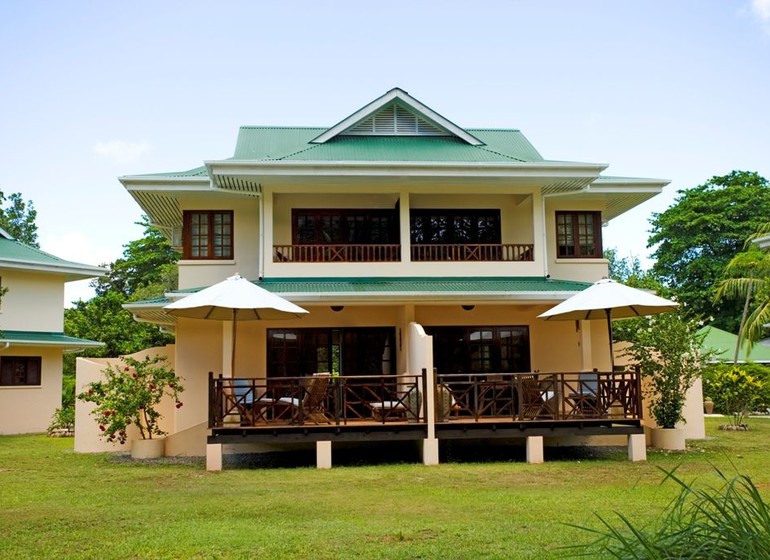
227	248
9	374
367	225
577	235
472	215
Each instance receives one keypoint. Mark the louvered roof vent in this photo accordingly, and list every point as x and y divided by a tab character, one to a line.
395	120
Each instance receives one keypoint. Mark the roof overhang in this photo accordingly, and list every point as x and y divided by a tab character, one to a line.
391	291
46	339
70	271
551	176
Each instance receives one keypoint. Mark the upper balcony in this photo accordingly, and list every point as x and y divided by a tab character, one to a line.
375	253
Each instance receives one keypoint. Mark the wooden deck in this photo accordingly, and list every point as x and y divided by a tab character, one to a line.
393	407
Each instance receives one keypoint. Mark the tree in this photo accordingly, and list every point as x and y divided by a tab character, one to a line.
629	271
698	235
147	269
746	278
18	218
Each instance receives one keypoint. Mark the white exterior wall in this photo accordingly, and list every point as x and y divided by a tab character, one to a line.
196	273
29	408
34	302
87	433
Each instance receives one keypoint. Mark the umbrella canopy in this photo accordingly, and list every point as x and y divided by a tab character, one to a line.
234	299
608	299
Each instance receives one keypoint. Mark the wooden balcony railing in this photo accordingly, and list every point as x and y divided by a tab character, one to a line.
392	253
473	252
336	253
349	400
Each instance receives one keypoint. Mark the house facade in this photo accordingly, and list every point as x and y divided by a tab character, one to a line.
32	341
424	253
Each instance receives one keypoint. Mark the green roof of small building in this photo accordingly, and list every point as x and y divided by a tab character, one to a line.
34	338
724	343
15	254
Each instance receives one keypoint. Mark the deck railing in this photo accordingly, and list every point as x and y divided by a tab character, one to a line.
337	253
343	400
471	252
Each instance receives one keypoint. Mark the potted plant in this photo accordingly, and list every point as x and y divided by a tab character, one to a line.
667	348
128	395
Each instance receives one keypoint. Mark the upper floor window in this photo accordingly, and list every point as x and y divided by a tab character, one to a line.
208	234
579	234
455	226
344	227
19	370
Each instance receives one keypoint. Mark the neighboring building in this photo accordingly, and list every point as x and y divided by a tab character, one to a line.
32	340
723	344
414	244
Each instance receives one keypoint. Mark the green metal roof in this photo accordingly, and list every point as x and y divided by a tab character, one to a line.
724	343
34	338
293	144
15	254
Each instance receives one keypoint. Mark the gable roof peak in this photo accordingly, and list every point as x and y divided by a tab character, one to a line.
396	113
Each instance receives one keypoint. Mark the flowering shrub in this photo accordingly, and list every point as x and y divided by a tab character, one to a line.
734	392
129	394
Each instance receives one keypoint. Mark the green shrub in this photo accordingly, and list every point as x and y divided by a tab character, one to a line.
749	388
730	521
63	419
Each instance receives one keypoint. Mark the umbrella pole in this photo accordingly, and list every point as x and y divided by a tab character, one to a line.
232	350
609	330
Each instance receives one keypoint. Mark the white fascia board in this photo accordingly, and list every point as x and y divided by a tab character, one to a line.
65	345
406	99
165	183
401	169
628	184
70	270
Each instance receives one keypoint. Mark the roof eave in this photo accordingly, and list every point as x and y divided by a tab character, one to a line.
71	272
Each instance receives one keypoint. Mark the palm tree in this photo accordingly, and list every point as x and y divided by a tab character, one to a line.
747	276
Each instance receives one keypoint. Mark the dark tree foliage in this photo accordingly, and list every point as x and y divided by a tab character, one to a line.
17	217
147	269
698	235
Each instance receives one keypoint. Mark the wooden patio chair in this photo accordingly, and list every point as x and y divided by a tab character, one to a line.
585	400
311	406
535	398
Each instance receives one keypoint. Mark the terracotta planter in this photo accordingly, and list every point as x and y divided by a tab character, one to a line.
671	439
148	448
708	407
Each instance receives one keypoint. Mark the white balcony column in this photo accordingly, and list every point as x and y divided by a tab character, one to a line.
405	229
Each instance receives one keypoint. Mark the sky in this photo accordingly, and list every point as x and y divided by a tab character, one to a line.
90	91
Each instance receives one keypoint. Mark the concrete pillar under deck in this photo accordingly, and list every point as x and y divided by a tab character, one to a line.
430	451
637	447
535	449
323	454
213	456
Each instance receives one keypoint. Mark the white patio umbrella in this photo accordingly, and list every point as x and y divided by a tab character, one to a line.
234	299
608	299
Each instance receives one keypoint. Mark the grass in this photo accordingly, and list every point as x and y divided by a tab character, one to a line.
55	503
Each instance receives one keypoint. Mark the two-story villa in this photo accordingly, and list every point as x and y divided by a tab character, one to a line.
32	340
424	253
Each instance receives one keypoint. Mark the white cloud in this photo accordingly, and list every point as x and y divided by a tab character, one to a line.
761	9
79	248
120	151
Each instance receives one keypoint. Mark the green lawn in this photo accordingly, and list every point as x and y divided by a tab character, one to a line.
58	504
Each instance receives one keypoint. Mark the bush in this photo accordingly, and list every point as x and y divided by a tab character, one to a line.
719	386
730	521
129	394
63	420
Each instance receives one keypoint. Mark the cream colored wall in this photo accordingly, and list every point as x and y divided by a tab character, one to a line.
582	270
34	302
87	433
28	409
194	273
